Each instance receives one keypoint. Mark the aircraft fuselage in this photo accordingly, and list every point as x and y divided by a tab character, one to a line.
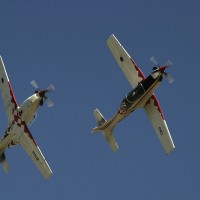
27	112
137	98
29	107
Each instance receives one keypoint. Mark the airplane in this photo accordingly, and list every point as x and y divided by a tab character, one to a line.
141	96
19	118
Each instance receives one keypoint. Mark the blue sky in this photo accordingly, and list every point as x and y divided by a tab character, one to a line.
64	43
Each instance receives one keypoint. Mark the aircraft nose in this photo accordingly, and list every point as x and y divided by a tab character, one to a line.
162	69
42	93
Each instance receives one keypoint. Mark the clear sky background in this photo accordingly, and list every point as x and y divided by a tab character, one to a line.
64	43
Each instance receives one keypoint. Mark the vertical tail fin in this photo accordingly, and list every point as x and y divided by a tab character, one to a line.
4	162
108	134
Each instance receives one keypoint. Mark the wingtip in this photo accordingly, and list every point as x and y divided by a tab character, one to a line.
115	150
49	175
170	151
112	36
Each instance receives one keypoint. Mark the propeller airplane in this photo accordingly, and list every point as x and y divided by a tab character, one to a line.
19	118
142	96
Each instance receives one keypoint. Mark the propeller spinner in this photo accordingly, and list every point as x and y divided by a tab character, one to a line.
42	93
167	65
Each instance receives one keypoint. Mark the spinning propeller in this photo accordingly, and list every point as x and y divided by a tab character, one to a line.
167	65
42	93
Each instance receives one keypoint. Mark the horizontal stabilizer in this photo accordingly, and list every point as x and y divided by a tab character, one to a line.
109	136
107	133
5	141
4	162
99	117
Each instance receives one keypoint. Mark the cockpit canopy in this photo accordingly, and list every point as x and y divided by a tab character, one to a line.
132	97
155	68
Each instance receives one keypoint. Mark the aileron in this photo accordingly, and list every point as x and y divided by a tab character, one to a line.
29	144
156	117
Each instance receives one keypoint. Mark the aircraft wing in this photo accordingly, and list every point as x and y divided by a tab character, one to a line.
127	65
9	100
27	141
156	117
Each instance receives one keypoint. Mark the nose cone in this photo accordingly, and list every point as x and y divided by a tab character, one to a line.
41	93
162	69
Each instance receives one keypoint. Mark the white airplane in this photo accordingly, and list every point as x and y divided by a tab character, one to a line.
142	96
19	117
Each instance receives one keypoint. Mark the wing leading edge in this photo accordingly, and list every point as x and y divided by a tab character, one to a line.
127	65
27	141
9	100
156	117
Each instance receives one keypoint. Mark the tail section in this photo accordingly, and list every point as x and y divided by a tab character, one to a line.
109	136
4	162
107	133
99	117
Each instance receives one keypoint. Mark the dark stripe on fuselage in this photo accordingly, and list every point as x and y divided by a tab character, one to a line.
148	82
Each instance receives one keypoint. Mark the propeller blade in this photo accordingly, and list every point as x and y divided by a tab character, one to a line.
50	88
48	101
154	61
169	77
168	63
34	84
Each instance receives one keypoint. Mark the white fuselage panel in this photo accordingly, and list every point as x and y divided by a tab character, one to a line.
29	107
